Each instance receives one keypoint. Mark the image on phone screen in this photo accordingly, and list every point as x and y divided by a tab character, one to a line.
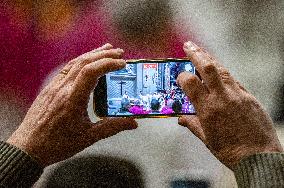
148	88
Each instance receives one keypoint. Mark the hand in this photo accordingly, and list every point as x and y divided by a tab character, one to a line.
229	120
57	125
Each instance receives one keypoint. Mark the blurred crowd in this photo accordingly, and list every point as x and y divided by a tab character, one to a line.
169	102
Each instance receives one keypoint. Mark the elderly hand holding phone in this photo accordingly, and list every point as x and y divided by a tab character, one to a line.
228	120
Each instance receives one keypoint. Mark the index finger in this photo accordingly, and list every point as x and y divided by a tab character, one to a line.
87	79
70	64
206	65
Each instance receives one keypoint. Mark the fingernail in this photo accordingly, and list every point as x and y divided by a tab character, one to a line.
178	82
119	50
190	46
122	63
178	79
181	121
107	45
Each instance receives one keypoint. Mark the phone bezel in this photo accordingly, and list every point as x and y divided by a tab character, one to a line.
100	105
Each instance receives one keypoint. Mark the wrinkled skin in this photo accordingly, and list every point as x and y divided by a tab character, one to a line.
229	121
57	125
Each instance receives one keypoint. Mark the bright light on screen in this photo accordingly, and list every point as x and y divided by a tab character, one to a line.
148	88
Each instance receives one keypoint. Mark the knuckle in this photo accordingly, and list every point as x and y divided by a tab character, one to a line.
235	100
70	64
106	60
83	60
106	53
182	75
105	63
101	54
192	79
210	67
226	76
224	73
87	69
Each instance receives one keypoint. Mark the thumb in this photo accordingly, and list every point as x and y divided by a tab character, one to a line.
109	127
193	124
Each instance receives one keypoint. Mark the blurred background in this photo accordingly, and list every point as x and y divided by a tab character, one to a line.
39	37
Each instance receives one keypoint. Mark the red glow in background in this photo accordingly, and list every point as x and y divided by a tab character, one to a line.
38	37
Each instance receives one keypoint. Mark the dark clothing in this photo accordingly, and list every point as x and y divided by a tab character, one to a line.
18	169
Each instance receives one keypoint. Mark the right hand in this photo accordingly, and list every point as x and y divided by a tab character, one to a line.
230	121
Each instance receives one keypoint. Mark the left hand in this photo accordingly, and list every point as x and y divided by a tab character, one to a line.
57	125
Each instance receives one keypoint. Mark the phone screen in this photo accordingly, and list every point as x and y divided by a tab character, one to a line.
148	89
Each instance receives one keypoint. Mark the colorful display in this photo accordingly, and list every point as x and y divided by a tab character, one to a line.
148	88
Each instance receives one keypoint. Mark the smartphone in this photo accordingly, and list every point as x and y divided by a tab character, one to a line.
144	88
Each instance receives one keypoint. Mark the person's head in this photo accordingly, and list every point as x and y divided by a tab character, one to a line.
125	104
136	102
177	106
95	171
125	92
155	105
186	99
170	102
